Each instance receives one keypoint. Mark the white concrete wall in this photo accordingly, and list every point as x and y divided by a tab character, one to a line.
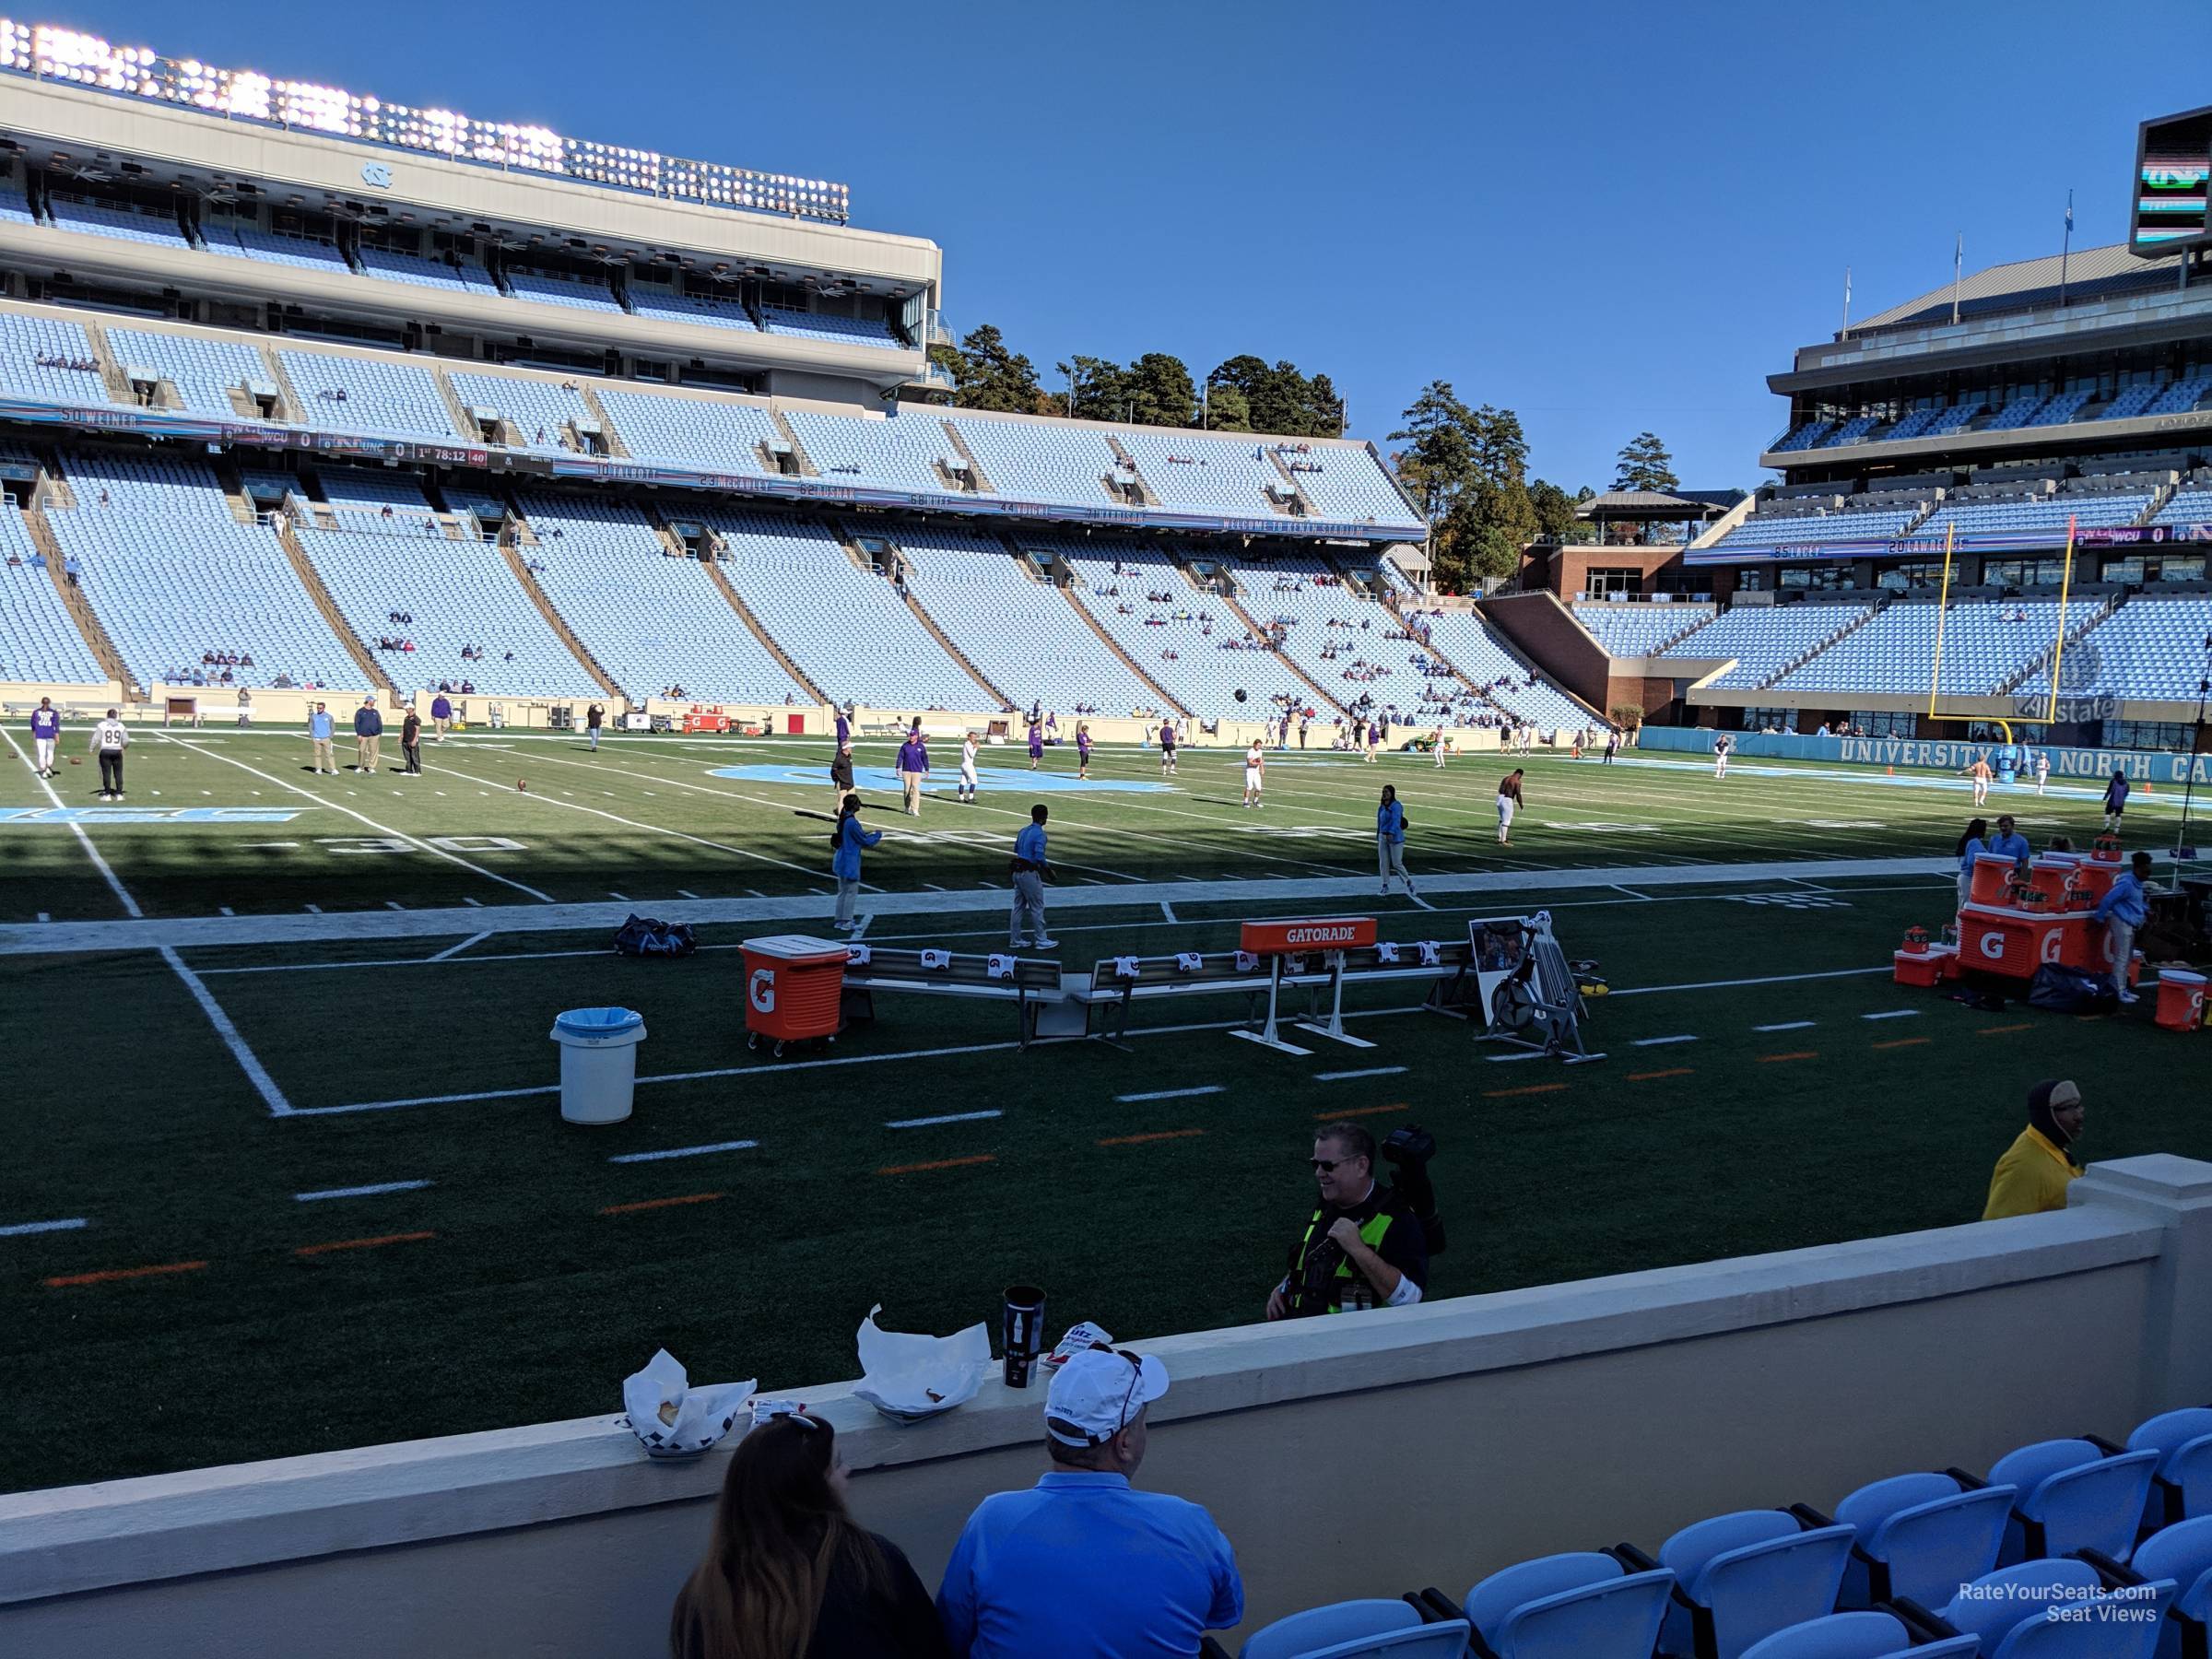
1484	1429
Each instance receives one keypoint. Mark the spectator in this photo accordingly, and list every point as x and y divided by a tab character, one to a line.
787	1574
441	712
2121	910
2033	1175
71	571
1083	1563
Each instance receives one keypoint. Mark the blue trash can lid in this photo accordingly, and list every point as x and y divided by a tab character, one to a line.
598	1022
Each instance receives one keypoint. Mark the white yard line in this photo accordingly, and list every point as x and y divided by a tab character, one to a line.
1168	910
1169	1094
256	1074
23	1228
1894	1014
414	841
452	951
1660	1042
377	1191
1368	1071
736	1146
1789	1025
931	1123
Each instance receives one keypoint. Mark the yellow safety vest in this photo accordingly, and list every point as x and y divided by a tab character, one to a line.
1371	1234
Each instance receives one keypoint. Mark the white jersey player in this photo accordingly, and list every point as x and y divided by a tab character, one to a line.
967	789
1721	745
1255	766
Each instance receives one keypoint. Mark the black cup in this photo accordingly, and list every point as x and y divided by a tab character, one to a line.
1022	1332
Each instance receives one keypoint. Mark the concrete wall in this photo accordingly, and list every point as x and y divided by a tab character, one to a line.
1349	1456
1545	632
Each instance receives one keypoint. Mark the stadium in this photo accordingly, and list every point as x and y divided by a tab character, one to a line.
390	1109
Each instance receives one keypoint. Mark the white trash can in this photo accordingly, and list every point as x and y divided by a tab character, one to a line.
598	1062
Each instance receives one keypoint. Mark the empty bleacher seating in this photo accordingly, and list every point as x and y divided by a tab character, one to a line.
2130	401
1851	432
2151	647
1804	436
71	212
651	300
172	576
444	270
846	628
1987	516
1190	643
1766	639
247	241
2015	410
821	325
2064	406
457	594
1634	630
1468	643
1986	644
560	288
717	435
537	409
653	620
1186	469
1035	461
1782	524
2181	396
900	453
1343	483
1020	631
355	490
39	640
2191	504
203	372
368	395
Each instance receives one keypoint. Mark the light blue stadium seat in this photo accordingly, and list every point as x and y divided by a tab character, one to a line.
1867	1635
1583	1604
1988	1608
1318	1627
2181	1553
2181	1483
1921	1535
2072	1497
1746	1575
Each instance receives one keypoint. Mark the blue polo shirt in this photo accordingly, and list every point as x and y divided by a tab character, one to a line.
2013	846
1083	1562
1029	843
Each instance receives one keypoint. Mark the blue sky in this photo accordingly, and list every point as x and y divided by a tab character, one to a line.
1606	217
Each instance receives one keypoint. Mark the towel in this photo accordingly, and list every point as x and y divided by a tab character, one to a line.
1124	967
1432	953
1246	962
1000	966
857	956
1190	961
936	959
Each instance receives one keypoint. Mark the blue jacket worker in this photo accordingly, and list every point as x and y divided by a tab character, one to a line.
1083	1563
2121	910
1029	870
367	734
1390	839
844	862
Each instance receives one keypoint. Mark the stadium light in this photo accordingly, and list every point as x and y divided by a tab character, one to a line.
67	54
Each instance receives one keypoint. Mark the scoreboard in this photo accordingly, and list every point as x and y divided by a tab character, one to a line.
2173	166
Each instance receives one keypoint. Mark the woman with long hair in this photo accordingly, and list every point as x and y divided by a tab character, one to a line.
1974	843
788	1575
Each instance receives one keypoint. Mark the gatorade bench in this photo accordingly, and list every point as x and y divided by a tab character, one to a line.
1031	983
1262	974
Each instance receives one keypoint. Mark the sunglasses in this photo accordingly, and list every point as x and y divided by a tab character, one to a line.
1322	1166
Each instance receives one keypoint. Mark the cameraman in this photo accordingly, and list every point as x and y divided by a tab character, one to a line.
1364	1248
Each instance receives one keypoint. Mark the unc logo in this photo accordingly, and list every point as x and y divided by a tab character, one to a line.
762	990
1993	947
376	173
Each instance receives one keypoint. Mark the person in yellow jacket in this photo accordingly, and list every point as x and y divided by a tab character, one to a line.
2033	1175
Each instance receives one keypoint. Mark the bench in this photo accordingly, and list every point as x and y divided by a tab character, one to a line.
1234	973
1031	983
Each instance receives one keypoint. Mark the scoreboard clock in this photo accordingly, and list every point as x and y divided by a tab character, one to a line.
2173	166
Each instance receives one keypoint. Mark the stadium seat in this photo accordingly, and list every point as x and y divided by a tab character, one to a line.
1583	1604
1634	630
2181	1482
2106	1627
1921	1535
2182	1552
1767	639
1988	1608
1746	1575
2072	1497
1866	1635
1323	1629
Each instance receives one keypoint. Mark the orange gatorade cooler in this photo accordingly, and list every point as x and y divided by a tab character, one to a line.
1922	968
1992	871
2181	1000
2093	877
794	984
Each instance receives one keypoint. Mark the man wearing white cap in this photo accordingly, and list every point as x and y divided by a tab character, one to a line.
1083	1563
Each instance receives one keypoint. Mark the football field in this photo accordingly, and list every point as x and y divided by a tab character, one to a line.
283	1163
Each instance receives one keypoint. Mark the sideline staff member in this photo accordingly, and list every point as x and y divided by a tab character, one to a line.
1363	1248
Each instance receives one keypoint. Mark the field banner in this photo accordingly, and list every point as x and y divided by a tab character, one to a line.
1939	754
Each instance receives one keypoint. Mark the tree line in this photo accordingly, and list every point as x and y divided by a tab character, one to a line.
1465	467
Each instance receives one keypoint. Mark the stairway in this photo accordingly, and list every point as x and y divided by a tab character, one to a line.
554	620
1144	491
1237	610
744	615
293	408
1305	505
1128	661
364	659
80	608
798	451
456	410
111	372
1801	661
975	467
999	699
1390	603
615	446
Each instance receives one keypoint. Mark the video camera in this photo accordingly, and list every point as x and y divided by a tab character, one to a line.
1408	1151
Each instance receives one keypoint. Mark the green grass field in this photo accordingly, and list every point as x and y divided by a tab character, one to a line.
1763	1089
